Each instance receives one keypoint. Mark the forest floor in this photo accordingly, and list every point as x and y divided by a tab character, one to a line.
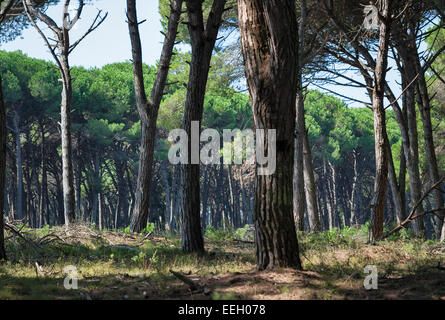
119	265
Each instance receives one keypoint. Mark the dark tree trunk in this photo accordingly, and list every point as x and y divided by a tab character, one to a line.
2	170
43	203
19	167
148	109
167	190
202	41
270	50
407	121
395	188
381	152
423	102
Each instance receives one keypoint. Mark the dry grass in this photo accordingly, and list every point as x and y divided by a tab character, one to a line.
116	265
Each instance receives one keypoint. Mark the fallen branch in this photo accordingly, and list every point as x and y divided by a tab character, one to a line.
194	286
32	244
191	283
47	239
145	238
244	241
411	217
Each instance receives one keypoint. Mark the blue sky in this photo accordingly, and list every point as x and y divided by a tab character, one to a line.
110	42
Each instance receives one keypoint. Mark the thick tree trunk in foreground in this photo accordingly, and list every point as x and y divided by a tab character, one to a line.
270	49
202	41
148	109
381	152
2	170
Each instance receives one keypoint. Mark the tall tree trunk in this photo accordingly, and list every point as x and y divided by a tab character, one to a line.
381	152
395	188
423	102
2	170
148	109
332	187
298	182
203	40
327	196
309	186
167	191
270	50
100	210
353	204
44	184
19	167
65	124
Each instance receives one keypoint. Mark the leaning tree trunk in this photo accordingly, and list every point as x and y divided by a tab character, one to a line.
202	41
381	152
2	170
148	109
270	49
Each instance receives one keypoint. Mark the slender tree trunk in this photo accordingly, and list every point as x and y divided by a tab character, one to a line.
2	170
148	109
395	189
327	196
270	49
205	198
353	204
203	40
381	152
167	191
423	102
100	210
19	167
298	182
67	152
44	184
332	187
309	186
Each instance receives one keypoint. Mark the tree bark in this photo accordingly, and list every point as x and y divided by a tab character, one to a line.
203	40
309	187
167	191
423	102
19	167
148	109
67	149
270	50
2	170
381	153
299	183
